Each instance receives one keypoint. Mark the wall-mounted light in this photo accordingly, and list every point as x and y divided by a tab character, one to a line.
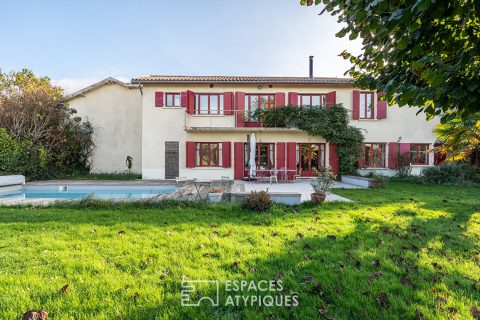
259	87
212	85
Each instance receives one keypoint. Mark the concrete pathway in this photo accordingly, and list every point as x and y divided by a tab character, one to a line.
302	187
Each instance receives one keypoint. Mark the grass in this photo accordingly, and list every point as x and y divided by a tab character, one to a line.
403	252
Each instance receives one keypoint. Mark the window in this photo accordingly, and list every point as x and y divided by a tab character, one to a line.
209	104
253	103
374	155
173	99
419	153
310	157
313	100
208	154
264	155
366	105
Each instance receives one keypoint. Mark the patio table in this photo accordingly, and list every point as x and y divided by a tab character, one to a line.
199	184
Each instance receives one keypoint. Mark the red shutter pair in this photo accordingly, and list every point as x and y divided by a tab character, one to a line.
381	106
191	154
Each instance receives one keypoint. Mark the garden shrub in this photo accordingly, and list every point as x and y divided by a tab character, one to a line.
452	173
9	152
258	201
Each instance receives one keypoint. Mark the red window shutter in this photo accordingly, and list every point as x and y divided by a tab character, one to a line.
159	99
184	99
361	161
238	161
381	107
280	155
356	105
226	154
405	152
190	102
331	98
333	158
393	155
279	99
291	157
190	154
293	99
240	111
228	103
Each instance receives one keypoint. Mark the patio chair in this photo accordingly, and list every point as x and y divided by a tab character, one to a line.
273	176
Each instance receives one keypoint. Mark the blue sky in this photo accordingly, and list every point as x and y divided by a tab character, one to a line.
79	42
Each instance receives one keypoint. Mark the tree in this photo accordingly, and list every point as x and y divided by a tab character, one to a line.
460	140
50	138
419	52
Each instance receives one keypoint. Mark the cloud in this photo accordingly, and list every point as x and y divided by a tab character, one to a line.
71	85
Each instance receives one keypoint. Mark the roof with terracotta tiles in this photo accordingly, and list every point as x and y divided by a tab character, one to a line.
241	79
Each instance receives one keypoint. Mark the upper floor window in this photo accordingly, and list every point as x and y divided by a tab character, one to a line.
208	154
211	103
312	100
172	99
419	153
374	155
255	102
366	105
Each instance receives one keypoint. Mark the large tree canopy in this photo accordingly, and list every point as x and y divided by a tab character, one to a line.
421	53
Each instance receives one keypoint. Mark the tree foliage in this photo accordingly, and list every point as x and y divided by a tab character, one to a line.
421	53
460	140
49	140
330	123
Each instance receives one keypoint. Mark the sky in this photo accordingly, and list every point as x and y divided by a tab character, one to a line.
79	42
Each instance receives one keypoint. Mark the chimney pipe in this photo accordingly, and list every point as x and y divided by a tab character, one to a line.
311	67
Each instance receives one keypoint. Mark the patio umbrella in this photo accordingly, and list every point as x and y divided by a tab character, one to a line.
253	148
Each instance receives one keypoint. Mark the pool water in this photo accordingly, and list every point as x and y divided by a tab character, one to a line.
99	192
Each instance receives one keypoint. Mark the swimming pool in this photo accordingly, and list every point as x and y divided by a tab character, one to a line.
99	192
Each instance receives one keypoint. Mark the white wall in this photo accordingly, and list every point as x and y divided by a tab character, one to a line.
115	112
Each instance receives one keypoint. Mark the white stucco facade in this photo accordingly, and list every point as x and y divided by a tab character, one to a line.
127	121
115	112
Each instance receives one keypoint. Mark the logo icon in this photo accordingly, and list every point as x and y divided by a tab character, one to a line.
195	291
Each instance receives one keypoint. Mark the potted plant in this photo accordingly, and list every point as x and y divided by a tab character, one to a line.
215	195
321	184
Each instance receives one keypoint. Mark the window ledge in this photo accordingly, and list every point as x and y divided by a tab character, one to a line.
208	168
172	108
374	168
367	119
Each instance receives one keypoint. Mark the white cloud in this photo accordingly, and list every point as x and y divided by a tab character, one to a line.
71	85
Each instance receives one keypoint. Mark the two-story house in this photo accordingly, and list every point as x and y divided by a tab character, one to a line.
199	126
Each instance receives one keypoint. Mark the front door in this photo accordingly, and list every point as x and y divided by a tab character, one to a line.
311	157
171	159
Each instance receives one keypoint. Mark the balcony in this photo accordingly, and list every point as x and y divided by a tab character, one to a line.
239	121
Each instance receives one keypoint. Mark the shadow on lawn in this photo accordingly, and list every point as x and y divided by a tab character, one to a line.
377	271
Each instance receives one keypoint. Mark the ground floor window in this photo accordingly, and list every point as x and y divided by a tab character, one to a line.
310	157
419	153
264	156
374	155
208	154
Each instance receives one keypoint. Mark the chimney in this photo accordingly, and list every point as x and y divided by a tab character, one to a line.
311	67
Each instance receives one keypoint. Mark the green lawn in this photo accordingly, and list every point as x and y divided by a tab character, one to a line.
404	252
